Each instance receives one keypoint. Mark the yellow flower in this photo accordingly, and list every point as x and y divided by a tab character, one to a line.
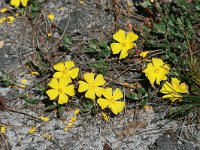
125	43
4	10
111	100
82	2
73	119
105	116
46	119
51	17
16	14
49	34
34	73
60	89
3	129
173	89
47	136
2	20
92	85
144	54
32	130
66	70
16	3
10	19
77	111
156	71
23	80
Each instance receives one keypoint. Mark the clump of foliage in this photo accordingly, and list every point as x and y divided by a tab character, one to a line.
173	28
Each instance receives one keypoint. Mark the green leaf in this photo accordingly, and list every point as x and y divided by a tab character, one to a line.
51	106
133	96
144	102
40	88
32	101
171	20
180	109
93	44
141	90
161	27
67	40
89	50
5	80
101	66
61	110
188	23
88	105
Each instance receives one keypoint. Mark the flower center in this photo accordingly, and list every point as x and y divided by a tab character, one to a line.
60	90
111	100
124	44
156	70
92	86
65	71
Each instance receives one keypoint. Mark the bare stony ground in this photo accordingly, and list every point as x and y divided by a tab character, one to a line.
134	129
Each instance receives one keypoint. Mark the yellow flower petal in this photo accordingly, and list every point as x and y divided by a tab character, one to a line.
73	119
52	93
49	34
4	10
166	88
69	64
15	3
99	80
59	67
129	46
3	129
51	16
149	69
131	37
119	36
32	130
117	107
157	62
23	80
24	2
53	83
123	54
144	54
108	93
183	88
116	47
103	103
46	119
77	111
16	14
69	90
83	86
10	19
63	82
2	20
160	77
90	94
73	73
63	98
152	78
47	136
117	94
89	77
105	116
82	2
34	73
99	91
